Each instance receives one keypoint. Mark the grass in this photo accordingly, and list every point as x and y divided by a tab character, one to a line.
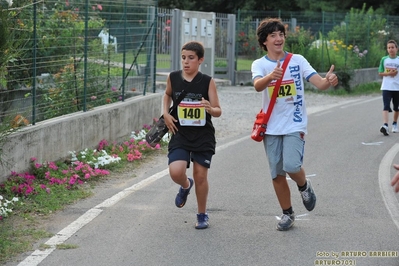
25	226
244	64
163	60
28	222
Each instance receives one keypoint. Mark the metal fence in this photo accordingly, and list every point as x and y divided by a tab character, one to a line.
67	56
356	39
64	56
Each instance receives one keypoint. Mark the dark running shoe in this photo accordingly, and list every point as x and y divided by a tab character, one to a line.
286	222
202	221
308	196
384	130
181	197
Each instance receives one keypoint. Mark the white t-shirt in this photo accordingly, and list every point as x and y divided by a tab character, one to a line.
387	64
289	112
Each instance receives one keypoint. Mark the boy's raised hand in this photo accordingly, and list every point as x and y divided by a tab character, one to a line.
331	77
277	72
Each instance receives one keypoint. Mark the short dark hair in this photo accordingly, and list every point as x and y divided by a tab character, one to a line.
394	42
266	27
197	47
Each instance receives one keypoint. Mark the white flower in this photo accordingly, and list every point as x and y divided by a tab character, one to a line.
139	136
5	208
9	3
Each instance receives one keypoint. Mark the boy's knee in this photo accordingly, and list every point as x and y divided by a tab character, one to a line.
291	168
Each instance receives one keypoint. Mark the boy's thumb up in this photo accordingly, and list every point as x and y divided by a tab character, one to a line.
331	70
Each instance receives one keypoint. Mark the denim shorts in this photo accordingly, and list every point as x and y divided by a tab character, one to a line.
285	153
202	158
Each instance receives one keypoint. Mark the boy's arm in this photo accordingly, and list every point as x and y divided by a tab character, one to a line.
324	83
261	83
212	106
167	101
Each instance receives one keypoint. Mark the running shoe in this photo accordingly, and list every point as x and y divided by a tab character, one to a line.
308	196
384	130
181	197
202	221
286	222
395	128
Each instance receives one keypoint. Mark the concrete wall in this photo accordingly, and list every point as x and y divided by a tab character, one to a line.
360	76
52	139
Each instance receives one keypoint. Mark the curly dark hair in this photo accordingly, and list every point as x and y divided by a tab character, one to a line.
266	27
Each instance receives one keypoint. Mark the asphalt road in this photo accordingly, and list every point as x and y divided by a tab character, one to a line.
355	221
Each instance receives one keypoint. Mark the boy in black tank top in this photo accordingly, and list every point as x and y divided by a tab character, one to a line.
193	134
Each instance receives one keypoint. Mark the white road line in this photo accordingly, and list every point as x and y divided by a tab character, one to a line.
39	255
384	177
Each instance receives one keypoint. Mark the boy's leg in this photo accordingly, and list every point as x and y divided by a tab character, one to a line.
274	150
202	162
294	145
299	177
395	116
283	192
201	186
179	160
386	99
395	102
177	171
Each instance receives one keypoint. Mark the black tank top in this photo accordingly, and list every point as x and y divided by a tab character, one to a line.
192	138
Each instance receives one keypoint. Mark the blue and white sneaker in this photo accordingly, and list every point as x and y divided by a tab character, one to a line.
308	196
181	197
286	222
202	221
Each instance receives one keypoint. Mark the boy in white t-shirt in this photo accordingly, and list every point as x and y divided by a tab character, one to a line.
284	141
388	70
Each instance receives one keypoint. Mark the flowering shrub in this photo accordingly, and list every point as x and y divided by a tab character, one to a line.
5	206
45	179
97	159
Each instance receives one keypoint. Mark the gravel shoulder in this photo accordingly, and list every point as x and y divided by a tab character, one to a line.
240	104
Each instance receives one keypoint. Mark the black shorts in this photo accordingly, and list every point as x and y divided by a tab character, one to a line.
203	158
387	97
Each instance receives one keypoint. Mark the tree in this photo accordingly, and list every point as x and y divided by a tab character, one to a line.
227	6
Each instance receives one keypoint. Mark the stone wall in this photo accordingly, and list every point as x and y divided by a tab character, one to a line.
52	139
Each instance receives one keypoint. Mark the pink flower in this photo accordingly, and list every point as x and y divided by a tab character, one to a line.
53	166
29	190
130	157
99	7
